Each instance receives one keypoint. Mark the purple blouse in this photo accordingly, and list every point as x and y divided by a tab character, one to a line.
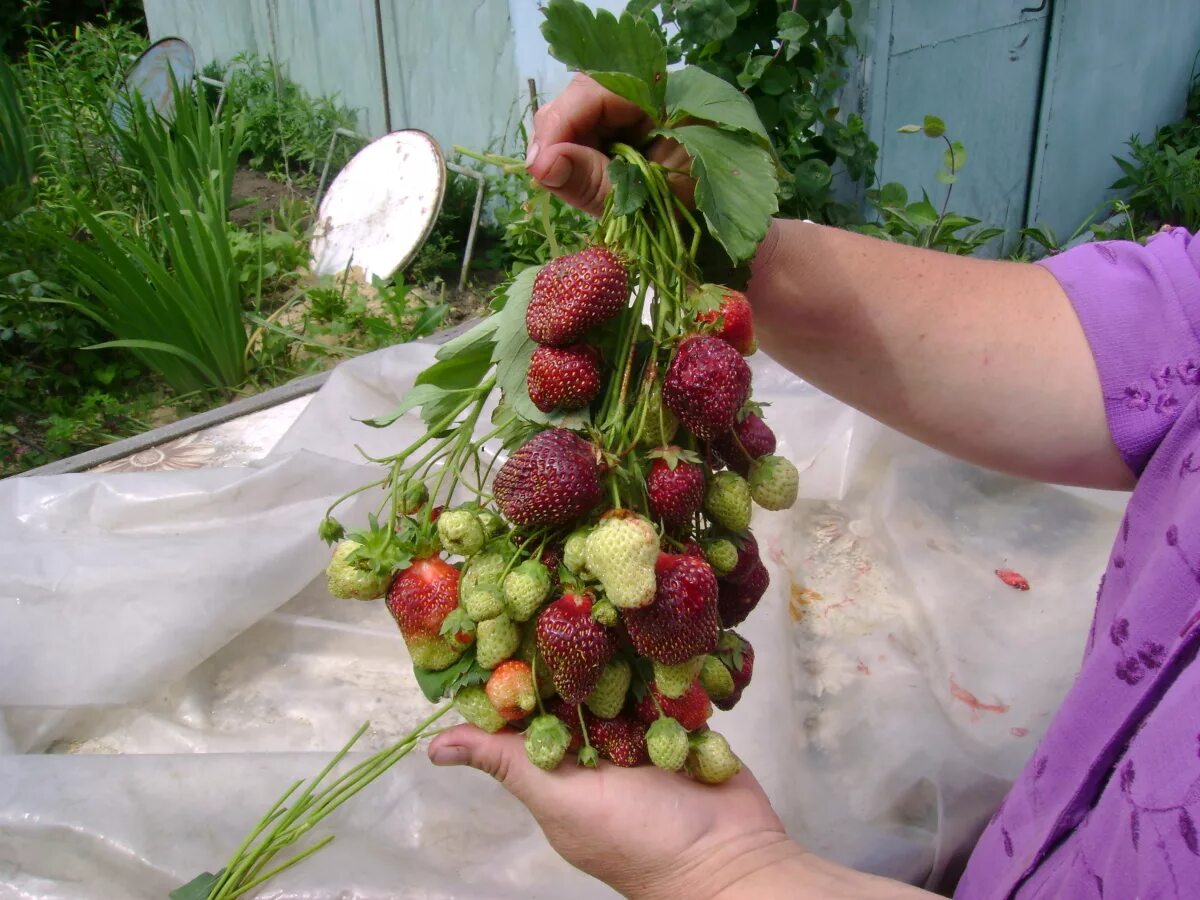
1109	805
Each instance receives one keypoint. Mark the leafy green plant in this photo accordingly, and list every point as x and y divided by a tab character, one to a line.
287	131
920	223
16	153
789	57
1163	176
179	310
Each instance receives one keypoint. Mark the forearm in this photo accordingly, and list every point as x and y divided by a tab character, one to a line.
984	360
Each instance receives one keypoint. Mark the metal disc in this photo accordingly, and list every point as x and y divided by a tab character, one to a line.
381	207
149	79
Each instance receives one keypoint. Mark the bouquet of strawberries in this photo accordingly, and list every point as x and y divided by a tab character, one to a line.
586	592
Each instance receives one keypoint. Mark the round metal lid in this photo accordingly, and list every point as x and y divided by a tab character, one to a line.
149	79
381	207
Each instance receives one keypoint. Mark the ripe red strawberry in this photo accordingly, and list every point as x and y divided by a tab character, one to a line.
749	436
573	294
737	599
552	557
419	600
563	377
682	622
747	558
621	740
692	548
691	710
706	386
551	480
675	487
738	656
736	322
510	690
574	645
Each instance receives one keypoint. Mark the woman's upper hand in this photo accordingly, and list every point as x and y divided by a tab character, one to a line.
566	150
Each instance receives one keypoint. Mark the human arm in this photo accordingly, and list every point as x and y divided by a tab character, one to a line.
984	360
655	835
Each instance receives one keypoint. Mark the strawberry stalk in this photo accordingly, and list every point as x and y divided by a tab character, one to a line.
244	871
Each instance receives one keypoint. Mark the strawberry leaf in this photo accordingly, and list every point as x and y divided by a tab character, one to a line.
447	683
464	361
693	93
457	621
418	396
198	888
736	185
625	55
512	352
629	187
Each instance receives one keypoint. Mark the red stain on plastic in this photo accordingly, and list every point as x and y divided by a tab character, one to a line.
1019	732
864	668
958	692
1013	579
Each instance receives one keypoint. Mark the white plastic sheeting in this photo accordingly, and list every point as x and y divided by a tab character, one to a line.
170	661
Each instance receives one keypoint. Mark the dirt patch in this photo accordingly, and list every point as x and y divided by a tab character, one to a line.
257	196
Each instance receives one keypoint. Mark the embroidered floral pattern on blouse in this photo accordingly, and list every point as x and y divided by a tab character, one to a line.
1159	396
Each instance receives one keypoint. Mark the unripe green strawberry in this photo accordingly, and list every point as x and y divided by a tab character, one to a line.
492	523
667	744
473	705
673	681
722	555
716	679
660	424
609	695
605	613
353	580
481	570
528	652
483	603
727	501
546	742
414	496
495	641
525	589
575	551
460	532
710	760
621	553
774	482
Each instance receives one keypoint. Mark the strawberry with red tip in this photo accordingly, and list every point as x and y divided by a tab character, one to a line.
420	599
691	710
574	645
552	479
621	740
573	294
706	386
682	622
748	440
732	321
563	377
510	690
675	485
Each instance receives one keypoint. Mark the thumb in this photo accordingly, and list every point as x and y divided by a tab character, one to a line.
576	174
500	755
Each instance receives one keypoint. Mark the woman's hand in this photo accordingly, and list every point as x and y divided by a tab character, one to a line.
566	153
646	832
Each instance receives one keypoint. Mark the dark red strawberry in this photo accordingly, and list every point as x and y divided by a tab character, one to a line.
747	558
569	715
706	386
551	480
675	486
419	600
682	622
574	645
621	740
552	557
691	710
692	548
563	377
573	294
737	599
746	441
738	656
733	321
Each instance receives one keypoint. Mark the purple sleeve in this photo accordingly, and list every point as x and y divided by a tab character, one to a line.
1140	307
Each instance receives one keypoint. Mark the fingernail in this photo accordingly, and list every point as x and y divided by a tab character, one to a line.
451	755
531	154
559	173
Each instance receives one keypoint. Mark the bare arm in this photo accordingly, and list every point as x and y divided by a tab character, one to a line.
984	360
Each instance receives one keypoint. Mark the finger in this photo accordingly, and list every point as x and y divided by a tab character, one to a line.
576	174
586	113
500	755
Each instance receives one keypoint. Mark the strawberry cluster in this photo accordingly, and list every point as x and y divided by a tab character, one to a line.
596	610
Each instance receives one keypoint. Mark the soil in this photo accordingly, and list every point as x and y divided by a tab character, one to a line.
255	195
